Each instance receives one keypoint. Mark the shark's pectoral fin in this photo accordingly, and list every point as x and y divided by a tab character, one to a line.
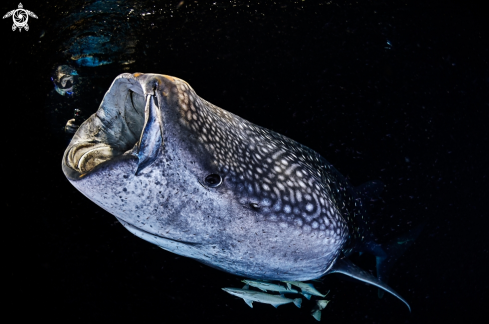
347	268
308	296
249	302
151	138
275	305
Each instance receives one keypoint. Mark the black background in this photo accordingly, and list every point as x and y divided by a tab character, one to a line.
414	115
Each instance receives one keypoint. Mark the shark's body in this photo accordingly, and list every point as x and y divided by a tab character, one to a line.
204	183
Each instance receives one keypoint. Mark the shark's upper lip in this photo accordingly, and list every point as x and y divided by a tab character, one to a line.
142	232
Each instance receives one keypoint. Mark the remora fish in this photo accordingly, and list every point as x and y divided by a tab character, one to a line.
316	311
201	182
249	296
263	285
307	289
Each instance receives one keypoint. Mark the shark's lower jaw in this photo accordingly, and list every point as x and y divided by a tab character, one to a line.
114	129
184	248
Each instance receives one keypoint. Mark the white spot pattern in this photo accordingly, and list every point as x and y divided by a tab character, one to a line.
288	180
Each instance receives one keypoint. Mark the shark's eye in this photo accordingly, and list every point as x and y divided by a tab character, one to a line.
213	180
255	206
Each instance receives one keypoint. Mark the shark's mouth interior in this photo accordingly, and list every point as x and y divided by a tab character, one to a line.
114	129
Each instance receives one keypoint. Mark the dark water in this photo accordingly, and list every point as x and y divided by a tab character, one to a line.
389	90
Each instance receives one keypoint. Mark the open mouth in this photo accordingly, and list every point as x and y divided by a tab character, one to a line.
115	128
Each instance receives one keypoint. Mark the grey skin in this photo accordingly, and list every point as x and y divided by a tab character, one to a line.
276	210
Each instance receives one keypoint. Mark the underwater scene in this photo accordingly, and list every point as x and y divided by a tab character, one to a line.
246	161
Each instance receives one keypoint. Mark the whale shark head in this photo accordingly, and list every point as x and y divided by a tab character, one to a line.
202	182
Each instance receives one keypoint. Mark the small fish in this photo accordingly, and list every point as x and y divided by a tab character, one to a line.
263	285
307	289
249	296
320	305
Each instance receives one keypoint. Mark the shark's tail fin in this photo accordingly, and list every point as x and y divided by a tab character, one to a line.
298	302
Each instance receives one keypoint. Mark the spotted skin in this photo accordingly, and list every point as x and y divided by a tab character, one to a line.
278	176
282	211
290	183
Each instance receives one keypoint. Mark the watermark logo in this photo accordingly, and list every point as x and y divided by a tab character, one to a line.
20	17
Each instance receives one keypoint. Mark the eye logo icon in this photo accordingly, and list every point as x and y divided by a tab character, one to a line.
20	17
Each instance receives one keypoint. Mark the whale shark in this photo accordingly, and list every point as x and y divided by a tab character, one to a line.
201	182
